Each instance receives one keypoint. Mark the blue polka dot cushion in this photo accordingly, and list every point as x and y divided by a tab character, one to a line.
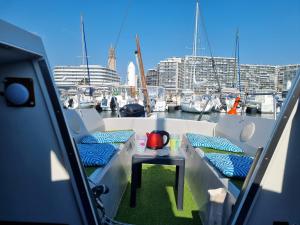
108	137
96	154
218	143
230	165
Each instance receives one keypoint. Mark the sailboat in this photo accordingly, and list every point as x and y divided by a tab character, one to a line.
84	96
192	102
230	94
196	103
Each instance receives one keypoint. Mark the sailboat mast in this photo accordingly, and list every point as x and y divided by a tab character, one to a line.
84	51
82	45
196	30
236	71
238	61
82	41
195	42
235	60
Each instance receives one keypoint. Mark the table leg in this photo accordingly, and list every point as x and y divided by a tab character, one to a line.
139	169
176	178
180	187
134	181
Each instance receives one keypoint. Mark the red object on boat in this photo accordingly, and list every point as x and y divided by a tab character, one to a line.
233	111
155	139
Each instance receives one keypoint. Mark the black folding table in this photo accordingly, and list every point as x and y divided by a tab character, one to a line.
173	159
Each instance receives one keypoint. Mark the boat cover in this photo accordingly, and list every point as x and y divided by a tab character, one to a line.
230	165
120	136
96	154
218	143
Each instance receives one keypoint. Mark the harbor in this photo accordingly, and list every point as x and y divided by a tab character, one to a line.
193	83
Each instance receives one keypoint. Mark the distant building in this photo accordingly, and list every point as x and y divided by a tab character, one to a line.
170	72
112	62
256	77
67	77
285	75
152	78
178	73
201	68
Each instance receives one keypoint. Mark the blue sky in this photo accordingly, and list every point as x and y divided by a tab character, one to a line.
269	29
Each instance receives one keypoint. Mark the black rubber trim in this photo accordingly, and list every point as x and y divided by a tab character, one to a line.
75	164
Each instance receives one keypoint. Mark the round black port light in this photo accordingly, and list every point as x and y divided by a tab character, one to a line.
19	92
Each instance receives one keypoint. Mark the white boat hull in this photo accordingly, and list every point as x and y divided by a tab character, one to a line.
81	105
189	107
160	106
86	105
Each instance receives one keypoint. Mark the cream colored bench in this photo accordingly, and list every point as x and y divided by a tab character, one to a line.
247	132
117	171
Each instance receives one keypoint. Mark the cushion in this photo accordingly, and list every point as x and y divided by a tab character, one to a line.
96	154
230	165
107	137
218	143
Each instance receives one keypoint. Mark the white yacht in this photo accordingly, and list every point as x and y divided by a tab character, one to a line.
229	96
81	100
157	98
196	103
264	103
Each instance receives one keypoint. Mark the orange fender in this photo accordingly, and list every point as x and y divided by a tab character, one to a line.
233	111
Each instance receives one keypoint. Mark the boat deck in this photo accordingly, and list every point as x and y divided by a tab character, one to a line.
156	200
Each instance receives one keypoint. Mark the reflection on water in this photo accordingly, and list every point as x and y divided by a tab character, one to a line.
211	117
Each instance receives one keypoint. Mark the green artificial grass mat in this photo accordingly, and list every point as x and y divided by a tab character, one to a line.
90	170
156	200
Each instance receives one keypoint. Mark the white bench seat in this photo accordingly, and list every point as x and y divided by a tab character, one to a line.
116	172
202	176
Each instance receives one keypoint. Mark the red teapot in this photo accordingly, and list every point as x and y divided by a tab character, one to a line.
155	139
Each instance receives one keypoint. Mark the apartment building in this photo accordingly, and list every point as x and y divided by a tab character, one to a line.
178	74
152	78
67	77
170	73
